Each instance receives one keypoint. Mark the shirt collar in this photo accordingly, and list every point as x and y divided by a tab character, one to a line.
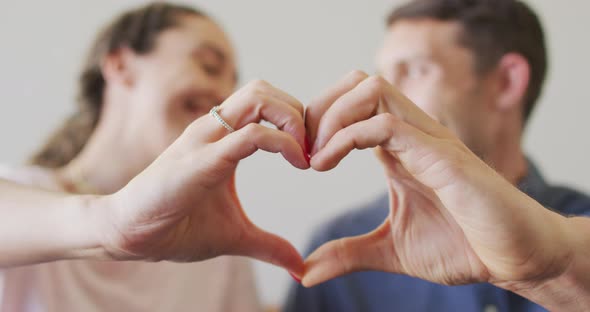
533	184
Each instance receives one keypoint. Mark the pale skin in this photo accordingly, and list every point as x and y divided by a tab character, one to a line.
183	207
492	232
453	220
165	188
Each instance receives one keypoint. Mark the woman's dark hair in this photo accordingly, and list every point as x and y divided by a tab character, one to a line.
137	30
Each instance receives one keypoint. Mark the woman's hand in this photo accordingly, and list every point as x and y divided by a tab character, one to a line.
184	207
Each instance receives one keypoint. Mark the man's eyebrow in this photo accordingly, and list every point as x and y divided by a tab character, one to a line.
215	50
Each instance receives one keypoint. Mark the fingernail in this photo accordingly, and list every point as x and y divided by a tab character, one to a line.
307	158
307	151
314	149
297	279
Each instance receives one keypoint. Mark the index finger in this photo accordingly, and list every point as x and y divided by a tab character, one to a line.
318	107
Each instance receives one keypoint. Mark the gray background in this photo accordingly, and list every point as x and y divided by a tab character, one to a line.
303	47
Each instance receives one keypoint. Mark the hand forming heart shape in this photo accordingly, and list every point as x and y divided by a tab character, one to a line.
434	230
444	224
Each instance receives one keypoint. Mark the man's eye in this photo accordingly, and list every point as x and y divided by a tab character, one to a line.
212	70
416	71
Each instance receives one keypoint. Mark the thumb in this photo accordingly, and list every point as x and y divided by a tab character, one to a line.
271	248
372	251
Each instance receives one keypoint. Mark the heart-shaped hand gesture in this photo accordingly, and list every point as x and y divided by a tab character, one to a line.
184	206
444	223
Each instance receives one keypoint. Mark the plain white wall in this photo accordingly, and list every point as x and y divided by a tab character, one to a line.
303	47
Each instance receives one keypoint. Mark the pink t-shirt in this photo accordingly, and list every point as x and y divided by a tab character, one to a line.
220	284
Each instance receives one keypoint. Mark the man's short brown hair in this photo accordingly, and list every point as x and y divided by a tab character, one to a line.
490	29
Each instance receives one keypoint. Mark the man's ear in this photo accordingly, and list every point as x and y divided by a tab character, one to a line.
514	74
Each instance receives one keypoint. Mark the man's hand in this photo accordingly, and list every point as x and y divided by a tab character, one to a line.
453	219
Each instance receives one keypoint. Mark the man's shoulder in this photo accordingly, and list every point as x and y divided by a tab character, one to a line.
567	200
563	199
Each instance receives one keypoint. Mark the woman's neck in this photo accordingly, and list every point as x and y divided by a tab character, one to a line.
105	165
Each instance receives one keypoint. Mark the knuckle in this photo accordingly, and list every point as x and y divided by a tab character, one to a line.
346	133
251	133
389	123
251	130
293	121
387	119
300	108
254	96
357	75
376	82
258	84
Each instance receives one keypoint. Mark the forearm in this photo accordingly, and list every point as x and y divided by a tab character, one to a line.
570	290
40	226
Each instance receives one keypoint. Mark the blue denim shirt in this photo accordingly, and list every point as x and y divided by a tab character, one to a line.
378	291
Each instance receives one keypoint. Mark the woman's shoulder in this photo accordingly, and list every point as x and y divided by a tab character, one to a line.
30	175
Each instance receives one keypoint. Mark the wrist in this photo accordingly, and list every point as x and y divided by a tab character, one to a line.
88	218
562	286
109	214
